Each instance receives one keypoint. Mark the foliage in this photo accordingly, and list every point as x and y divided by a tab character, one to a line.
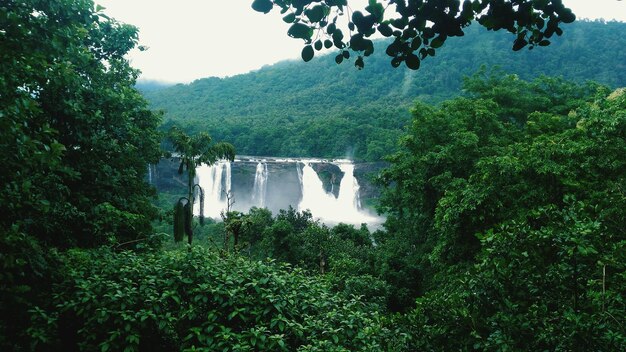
476	162
75	135
26	271
552	281
514	222
76	138
505	207
343	254
320	109
196	150
418	28
193	151
198	300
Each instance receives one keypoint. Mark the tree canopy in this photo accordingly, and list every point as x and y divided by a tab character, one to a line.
75	138
418	27
75	134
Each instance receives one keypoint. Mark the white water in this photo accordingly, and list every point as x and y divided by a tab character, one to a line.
260	185
345	208
350	186
215	180
228	178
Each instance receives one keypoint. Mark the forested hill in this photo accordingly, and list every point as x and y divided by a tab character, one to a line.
328	110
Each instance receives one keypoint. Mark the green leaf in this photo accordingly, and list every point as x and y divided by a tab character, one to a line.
331	28
338	39
377	10
264	6
567	16
307	53
300	30
436	43
318	45
359	63
104	347
316	13
519	44
412	62
290	18
385	29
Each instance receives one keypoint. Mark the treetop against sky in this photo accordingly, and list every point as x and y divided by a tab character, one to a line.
193	39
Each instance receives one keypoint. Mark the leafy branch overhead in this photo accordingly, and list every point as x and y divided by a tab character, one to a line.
418	27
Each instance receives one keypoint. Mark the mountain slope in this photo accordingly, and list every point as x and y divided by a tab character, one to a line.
327	110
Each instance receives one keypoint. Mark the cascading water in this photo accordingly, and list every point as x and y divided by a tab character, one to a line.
345	208
349	188
299	171
314	198
301	188
259	190
212	180
228	177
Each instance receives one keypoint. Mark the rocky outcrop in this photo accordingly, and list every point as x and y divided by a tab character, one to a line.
366	174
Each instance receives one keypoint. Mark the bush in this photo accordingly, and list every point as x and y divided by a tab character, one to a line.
199	300
553	282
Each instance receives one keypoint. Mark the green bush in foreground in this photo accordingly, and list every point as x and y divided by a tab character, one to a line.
199	300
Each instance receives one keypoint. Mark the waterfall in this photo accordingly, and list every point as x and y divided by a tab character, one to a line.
349	188
301	188
228	178
215	181
299	171
259	190
153	176
345	208
314	198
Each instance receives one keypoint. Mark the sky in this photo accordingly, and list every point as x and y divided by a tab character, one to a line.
192	39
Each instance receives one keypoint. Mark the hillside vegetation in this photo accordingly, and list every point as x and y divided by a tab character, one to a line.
505	206
323	109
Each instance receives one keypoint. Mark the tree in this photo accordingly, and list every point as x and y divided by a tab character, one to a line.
478	161
418	27
76	139
193	151
76	135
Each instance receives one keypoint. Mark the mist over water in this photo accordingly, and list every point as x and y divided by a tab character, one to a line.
279	183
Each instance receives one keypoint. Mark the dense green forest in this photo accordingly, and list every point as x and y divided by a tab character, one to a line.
505	215
322	109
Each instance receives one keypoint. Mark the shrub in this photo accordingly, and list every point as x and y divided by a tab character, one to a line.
199	300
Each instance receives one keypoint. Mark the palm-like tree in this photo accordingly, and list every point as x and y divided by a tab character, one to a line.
194	151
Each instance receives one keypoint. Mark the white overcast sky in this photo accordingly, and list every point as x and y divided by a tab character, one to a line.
192	39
